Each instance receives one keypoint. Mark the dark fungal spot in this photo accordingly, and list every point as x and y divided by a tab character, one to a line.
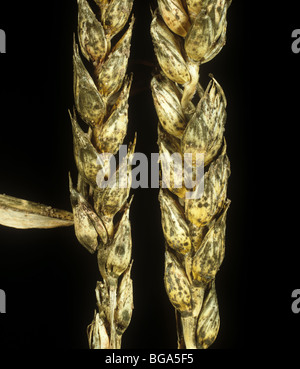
120	250
125	316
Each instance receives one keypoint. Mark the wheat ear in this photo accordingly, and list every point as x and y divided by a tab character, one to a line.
101	214
185	34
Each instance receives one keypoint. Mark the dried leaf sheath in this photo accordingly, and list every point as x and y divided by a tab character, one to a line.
186	34
24	214
101	215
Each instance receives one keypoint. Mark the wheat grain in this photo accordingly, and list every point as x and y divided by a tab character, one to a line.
101	101
186	34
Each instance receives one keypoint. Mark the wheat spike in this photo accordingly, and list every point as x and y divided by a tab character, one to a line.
101	214
186	34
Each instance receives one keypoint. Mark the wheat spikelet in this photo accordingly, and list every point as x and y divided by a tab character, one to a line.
101	214
186	34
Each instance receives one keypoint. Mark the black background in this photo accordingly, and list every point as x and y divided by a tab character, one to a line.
49	279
